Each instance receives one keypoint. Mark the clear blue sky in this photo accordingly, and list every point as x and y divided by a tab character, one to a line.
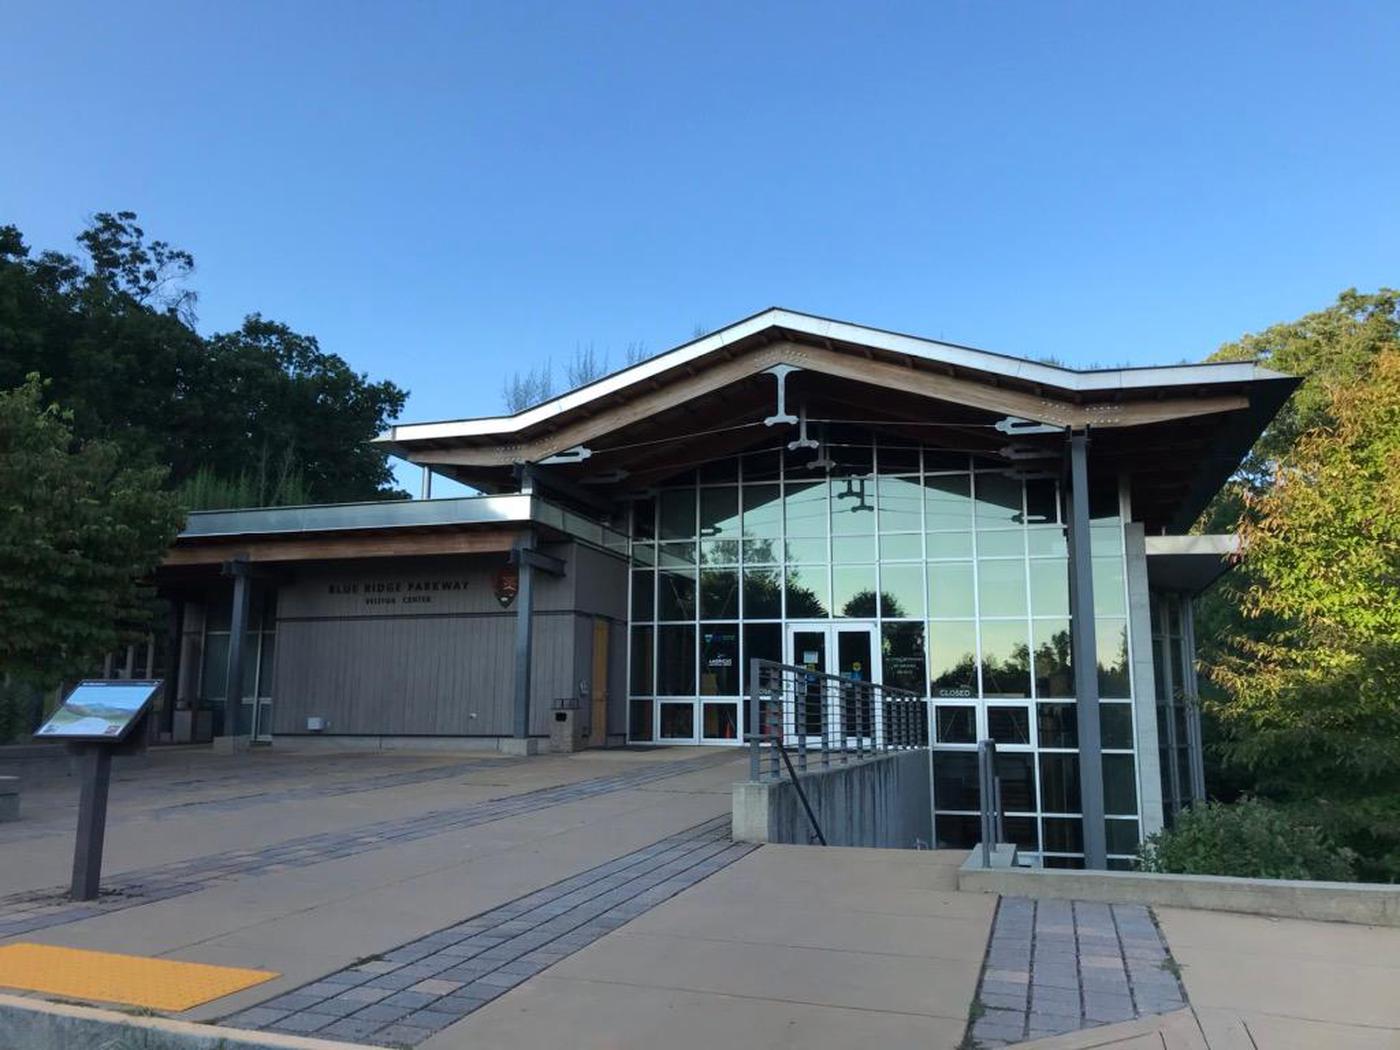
446	192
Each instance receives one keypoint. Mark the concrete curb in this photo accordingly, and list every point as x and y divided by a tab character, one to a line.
37	1024
1365	904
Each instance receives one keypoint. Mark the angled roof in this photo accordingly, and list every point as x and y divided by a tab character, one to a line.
1180	430
775	318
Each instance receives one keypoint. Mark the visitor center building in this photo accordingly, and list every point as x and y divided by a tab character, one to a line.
1006	538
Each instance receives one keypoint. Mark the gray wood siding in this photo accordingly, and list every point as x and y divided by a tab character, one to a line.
433	660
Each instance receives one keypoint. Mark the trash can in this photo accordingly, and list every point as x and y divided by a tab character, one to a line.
564	728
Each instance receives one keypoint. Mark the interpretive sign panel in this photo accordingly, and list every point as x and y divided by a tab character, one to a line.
99	710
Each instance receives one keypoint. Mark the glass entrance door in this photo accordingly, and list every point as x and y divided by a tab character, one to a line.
846	651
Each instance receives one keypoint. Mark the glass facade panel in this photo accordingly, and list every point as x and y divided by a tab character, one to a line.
948	503
901	504
1006	670
1001	588
955	725
719	659
901	590
853	591
958	567
677	514
1009	725
675	595
763	594
1054	673
998	501
675	661
950	590
953	658
902	656
719	593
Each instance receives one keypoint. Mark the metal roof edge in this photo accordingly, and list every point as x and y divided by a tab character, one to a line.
1004	365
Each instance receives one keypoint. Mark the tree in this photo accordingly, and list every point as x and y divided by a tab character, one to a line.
1333	346
113	332
525	389
78	530
278	393
1312	683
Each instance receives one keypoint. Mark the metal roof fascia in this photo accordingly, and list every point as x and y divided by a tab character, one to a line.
1107	380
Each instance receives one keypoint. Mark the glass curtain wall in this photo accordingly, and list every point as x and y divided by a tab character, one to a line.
1177	715
960	564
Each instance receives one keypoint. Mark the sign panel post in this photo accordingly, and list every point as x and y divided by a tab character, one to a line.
97	718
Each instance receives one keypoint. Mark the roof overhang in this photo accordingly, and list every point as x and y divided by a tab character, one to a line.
386	529
1189	564
1191	424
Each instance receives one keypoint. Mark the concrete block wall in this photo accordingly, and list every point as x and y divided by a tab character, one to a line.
882	802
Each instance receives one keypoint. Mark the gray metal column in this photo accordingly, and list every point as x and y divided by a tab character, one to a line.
1172	700
237	639
1085	652
524	635
1193	694
176	644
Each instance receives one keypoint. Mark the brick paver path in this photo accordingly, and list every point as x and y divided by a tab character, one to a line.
1059	966
34	910
405	995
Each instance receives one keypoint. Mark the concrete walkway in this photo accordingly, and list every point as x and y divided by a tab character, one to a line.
595	900
1287	984
790	946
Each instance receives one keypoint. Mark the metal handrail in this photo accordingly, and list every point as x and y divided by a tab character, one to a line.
777	743
833	717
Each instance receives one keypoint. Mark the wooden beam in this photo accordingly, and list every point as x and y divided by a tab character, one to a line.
998	400
313	547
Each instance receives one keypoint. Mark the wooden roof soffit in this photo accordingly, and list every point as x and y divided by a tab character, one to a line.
317	547
957	390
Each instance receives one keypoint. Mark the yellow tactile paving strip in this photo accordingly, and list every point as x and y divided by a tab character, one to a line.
159	984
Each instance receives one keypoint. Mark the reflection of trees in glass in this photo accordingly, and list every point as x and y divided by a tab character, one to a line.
863	604
1009	676
1113	677
902	655
719	593
802	602
960	679
1054	674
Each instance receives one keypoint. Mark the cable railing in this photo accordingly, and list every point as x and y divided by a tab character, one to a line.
822	719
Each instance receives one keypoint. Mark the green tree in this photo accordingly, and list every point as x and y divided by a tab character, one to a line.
1312	681
113	329
79	530
1329	347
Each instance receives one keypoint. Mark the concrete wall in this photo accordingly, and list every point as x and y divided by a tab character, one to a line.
1149	769
882	802
1365	903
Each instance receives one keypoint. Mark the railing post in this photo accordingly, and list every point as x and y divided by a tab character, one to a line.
755	720
986	791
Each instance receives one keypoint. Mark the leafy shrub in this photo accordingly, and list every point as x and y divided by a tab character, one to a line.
1251	839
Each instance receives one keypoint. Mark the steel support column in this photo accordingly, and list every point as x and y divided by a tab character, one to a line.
1085	653
237	644
175	645
524	635
1193	693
